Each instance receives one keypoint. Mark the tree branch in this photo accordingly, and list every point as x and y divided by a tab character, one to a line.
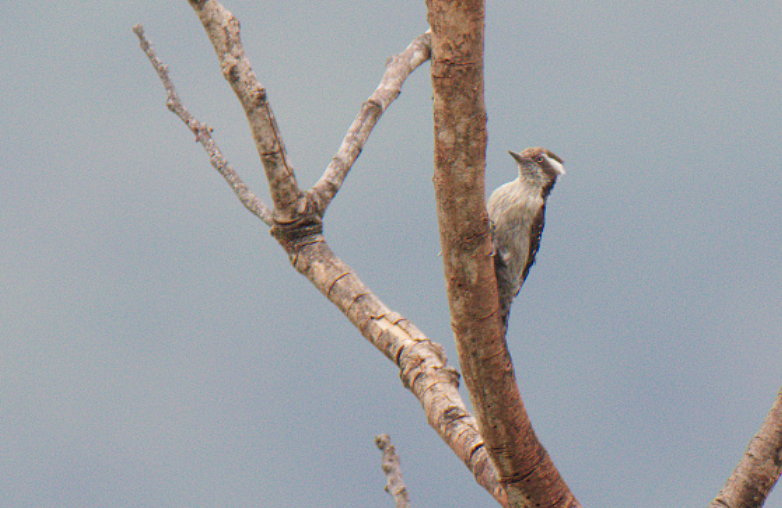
524	467
203	134
760	467
222	27
398	68
392	468
422	363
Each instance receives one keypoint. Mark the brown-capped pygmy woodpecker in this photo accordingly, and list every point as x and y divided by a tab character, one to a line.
517	215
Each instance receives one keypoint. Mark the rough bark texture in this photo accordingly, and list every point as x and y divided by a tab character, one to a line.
524	467
751	482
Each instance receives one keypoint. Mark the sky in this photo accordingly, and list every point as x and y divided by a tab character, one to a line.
157	348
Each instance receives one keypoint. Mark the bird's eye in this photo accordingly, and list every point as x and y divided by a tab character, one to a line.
539	159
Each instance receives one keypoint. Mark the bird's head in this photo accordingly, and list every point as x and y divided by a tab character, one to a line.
539	167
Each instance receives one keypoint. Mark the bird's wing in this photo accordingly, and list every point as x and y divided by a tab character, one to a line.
538	222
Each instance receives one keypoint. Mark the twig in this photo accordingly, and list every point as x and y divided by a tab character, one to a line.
392	468
398	68
203	134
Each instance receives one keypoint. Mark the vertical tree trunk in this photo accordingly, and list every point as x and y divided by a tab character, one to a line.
525	469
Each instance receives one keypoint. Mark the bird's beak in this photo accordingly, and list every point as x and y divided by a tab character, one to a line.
516	156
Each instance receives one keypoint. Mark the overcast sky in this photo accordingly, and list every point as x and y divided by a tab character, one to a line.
158	349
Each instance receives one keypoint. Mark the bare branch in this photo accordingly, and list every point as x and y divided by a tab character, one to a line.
524	468
203	134
223	31
392	468
760	467
422	363
398	68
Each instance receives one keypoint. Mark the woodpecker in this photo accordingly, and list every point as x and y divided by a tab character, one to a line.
517	215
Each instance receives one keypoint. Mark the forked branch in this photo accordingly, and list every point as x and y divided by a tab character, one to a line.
422	363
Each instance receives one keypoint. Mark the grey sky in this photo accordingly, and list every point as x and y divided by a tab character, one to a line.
158	350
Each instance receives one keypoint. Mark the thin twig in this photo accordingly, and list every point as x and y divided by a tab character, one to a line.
398	68
392	467
203	134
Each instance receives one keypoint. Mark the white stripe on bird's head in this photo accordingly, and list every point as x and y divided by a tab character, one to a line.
555	164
